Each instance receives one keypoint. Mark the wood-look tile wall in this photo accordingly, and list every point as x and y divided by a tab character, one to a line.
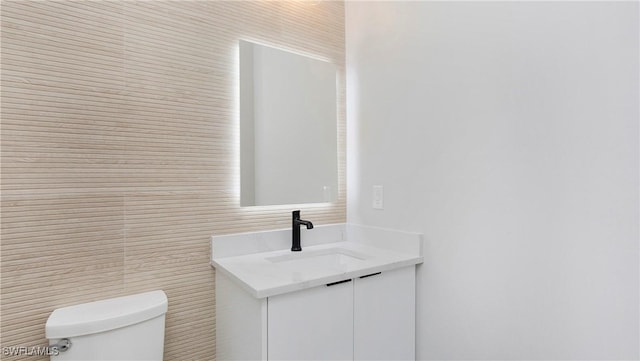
119	141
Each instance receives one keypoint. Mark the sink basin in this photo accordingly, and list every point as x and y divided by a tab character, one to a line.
262	264
331	257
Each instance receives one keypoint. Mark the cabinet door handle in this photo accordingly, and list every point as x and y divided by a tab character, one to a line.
337	283
373	274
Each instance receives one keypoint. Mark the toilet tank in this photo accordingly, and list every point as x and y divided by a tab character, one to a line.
123	328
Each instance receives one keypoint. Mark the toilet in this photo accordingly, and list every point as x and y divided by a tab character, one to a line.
123	328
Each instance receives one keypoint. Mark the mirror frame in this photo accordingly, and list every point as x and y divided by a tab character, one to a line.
303	181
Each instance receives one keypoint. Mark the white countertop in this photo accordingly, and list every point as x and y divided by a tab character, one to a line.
359	252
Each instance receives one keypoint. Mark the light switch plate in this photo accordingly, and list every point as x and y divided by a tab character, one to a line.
378	197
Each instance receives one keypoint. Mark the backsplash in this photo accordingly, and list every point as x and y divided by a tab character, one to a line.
120	152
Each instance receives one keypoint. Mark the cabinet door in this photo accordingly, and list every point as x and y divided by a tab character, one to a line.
384	316
313	324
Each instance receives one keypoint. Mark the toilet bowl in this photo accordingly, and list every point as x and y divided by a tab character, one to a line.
123	328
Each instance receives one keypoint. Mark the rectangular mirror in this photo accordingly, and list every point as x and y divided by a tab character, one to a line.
288	128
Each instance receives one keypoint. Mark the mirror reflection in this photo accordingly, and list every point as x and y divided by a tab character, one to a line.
288	128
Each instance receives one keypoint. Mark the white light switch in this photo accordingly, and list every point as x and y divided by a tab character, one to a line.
378	197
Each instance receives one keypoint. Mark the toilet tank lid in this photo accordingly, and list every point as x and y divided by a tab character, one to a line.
105	315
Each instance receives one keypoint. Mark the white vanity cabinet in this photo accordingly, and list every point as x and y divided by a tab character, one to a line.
364	318
312	324
348	295
384	315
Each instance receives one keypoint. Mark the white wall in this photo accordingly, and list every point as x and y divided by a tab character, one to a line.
507	133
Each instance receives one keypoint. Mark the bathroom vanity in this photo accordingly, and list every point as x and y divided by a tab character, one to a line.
348	295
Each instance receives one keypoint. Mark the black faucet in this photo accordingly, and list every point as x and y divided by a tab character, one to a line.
295	225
